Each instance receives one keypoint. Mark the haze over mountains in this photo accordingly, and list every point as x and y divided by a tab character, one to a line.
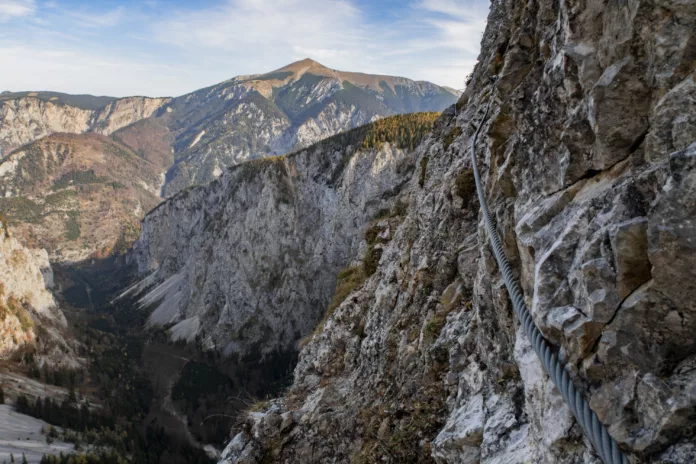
155	147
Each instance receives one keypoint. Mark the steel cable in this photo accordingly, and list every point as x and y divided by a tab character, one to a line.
603	443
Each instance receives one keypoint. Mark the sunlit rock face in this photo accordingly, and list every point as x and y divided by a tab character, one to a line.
27	306
588	160
29	116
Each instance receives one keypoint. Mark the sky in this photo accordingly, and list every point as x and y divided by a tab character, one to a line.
172	47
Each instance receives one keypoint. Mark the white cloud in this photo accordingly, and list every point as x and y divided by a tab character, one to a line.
157	49
75	71
459	24
458	9
10	9
104	19
262	34
256	23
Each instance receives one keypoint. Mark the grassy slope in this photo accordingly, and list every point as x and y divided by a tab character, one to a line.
79	192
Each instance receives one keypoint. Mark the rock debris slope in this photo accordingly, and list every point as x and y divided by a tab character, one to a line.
589	165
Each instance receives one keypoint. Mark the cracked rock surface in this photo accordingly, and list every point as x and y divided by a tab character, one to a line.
588	159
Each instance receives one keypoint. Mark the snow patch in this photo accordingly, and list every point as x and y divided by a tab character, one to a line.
20	434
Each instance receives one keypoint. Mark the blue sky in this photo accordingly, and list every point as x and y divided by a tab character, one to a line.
171	47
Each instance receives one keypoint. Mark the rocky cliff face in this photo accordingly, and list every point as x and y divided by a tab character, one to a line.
589	162
123	112
29	116
247	264
30	320
24	120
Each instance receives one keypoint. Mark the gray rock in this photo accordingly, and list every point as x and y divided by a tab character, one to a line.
254	256
587	161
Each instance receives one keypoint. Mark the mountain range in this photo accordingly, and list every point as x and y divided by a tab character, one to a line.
278	112
348	302
152	148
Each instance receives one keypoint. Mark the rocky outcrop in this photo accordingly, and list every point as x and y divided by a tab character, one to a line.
123	112
588	162
28	118
27	307
247	264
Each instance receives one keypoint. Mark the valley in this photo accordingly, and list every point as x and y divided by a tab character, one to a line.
146	377
311	265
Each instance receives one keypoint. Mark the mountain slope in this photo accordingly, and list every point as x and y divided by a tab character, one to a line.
244	118
193	138
275	113
80	195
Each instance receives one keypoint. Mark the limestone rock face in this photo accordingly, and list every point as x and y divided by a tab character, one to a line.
588	159
28	118
248	264
26	303
123	112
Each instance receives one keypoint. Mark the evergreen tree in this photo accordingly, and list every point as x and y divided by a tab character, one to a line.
38	408
72	397
2	396
24	459
22	405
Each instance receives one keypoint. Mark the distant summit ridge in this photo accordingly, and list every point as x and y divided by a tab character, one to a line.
293	107
298	69
245	117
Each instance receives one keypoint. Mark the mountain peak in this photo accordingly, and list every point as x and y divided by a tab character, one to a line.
303	66
307	62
